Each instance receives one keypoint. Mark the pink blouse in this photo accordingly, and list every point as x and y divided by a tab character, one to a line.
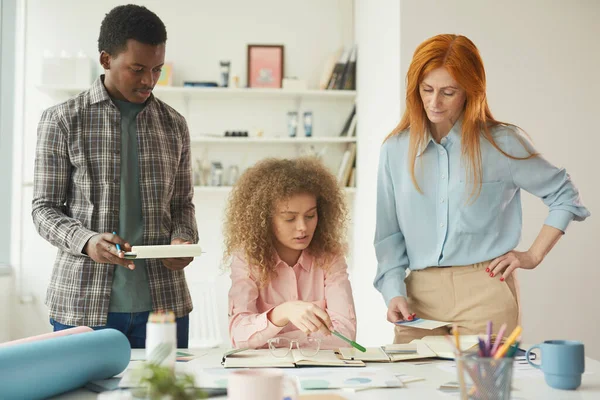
249	305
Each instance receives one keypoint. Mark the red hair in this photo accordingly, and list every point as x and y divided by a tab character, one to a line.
460	57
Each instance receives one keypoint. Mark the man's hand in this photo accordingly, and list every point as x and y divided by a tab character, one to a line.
102	249
398	310
177	264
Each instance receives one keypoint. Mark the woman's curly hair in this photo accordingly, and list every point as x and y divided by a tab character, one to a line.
248	221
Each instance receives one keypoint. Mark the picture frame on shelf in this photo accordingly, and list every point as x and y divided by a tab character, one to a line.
265	63
166	75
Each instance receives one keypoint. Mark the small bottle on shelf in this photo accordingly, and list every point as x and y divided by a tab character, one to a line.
308	123
292	123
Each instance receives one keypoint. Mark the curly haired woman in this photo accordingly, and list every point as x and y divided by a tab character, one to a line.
285	228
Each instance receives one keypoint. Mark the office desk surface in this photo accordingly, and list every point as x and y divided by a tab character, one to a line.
435	373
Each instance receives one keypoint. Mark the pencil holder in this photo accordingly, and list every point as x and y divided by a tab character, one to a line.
484	378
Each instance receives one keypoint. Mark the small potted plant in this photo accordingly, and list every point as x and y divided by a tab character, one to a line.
159	382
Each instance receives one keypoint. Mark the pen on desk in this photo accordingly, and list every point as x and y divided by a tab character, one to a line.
117	244
351	342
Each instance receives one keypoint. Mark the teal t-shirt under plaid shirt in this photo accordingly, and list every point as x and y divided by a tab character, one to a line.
130	290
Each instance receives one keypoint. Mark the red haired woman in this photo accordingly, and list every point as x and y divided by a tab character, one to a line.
449	199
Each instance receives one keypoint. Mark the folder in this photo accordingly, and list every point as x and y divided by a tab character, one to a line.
164	251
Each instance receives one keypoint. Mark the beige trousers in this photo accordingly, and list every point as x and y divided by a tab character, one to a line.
465	295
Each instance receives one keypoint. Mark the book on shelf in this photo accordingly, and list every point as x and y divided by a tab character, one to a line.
352	180
335	81
347	124
352	177
352	128
345	169
330	64
349	80
342	76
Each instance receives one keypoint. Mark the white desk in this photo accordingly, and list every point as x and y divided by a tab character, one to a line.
526	388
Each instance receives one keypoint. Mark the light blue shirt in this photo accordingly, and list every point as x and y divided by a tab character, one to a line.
442	226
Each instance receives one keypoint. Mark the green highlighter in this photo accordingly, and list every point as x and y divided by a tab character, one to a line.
351	342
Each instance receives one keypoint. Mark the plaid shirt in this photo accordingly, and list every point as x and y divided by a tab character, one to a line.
76	195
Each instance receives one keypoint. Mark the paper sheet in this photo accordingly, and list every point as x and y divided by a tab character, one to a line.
314	378
403	352
408	378
372	354
423	323
442	348
401	348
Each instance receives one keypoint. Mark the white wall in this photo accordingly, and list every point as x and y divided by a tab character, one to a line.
378	104
200	33
541	59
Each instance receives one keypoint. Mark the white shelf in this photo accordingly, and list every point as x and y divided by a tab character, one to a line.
227	189
273	140
213	189
221	92
239	92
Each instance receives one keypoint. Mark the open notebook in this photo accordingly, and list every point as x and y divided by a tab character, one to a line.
262	358
427	347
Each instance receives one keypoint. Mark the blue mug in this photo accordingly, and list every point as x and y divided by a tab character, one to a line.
563	362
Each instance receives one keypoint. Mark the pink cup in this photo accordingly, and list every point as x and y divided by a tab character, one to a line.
261	384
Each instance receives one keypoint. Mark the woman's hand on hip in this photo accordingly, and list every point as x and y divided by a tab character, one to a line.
504	265
398	310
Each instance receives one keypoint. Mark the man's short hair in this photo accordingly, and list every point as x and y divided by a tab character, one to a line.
130	22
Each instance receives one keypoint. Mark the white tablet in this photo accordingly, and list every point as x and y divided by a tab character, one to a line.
164	251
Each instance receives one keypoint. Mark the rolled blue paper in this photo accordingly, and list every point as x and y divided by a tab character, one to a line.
37	370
